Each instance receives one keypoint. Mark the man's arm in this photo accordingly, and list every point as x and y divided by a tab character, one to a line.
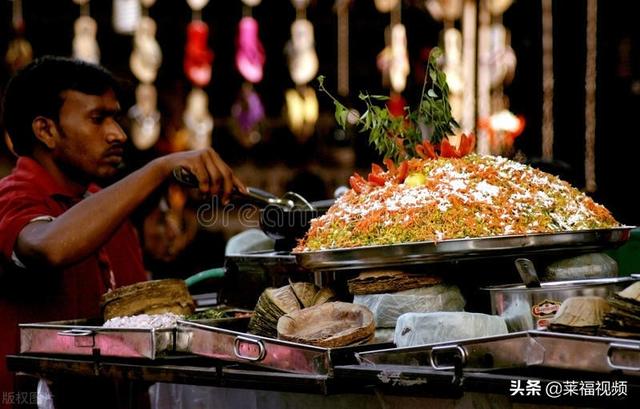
85	227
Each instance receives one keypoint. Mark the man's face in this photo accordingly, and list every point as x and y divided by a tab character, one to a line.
90	142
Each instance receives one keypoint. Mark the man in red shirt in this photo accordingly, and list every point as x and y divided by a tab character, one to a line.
63	240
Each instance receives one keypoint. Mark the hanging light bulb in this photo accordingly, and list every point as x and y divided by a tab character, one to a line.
85	46
197	5
126	16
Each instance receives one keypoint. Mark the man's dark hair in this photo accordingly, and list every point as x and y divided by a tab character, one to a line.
37	89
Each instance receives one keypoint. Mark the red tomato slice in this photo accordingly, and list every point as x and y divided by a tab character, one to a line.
448	151
376	169
467	143
391	167
357	183
376	179
403	171
429	150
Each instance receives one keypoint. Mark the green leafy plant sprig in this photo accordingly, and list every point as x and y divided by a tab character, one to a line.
397	137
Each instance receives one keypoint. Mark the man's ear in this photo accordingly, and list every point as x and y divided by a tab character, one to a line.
45	131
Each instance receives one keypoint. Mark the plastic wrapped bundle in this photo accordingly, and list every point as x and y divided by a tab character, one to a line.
383	335
592	265
386	308
432	327
518	316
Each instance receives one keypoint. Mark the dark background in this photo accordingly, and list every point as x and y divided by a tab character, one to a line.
49	28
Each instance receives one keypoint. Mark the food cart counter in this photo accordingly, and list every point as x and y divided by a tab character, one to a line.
189	381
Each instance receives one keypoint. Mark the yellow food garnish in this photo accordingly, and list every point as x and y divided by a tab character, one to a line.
415	179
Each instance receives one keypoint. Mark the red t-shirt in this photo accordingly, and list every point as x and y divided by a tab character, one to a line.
39	296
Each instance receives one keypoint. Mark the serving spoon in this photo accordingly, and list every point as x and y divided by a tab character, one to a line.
259	197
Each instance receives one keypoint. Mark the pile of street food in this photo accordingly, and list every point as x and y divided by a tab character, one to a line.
418	200
450	198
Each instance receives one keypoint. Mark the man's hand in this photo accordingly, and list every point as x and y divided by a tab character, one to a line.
213	174
86	226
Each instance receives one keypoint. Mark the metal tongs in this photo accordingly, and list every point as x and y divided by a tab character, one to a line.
253	195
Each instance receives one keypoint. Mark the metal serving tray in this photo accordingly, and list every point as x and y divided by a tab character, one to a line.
589	353
462	249
519	349
229	345
502	351
87	337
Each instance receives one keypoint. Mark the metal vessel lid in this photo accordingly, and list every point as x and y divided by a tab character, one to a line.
563	285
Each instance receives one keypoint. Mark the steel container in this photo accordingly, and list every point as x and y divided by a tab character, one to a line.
532	308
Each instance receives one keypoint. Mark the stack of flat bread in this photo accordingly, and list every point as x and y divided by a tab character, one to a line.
389	281
623	320
580	315
149	297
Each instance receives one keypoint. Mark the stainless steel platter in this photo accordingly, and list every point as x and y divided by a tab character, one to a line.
84	337
517	349
425	252
520	349
235	346
589	353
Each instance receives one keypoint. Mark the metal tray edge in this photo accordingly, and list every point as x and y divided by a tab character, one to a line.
446	250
